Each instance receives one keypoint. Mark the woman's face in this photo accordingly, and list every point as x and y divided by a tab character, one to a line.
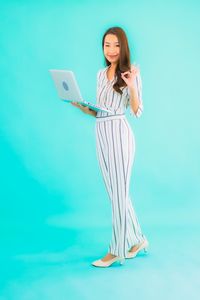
111	48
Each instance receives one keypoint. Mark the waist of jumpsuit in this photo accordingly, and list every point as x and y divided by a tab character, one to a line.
110	117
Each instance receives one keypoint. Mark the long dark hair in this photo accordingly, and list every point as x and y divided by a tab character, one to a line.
124	63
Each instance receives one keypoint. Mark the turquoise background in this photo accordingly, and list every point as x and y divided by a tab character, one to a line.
55	215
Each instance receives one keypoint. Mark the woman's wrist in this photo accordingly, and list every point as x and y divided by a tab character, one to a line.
132	93
92	113
89	111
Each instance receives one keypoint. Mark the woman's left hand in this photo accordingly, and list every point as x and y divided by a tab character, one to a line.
130	75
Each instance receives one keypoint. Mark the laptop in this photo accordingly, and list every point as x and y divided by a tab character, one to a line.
68	89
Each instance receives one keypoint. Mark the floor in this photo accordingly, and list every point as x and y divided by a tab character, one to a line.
54	263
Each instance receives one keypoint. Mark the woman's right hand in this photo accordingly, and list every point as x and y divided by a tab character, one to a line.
84	109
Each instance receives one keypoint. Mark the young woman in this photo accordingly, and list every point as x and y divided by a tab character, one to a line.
118	86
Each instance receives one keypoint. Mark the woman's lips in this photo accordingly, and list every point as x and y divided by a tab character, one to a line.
112	56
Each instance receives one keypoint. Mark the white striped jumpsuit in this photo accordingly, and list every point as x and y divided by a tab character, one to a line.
115	146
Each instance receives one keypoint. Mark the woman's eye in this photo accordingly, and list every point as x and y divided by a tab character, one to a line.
109	45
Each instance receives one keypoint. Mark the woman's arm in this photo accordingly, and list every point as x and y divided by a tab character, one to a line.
134	90
134	100
135	96
85	109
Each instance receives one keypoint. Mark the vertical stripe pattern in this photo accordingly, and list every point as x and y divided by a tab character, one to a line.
115	145
115	148
107	97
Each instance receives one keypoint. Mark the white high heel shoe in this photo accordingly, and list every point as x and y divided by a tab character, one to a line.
143	246
104	264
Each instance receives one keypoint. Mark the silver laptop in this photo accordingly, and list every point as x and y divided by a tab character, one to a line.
68	89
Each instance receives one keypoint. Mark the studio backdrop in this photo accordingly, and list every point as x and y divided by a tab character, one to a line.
52	192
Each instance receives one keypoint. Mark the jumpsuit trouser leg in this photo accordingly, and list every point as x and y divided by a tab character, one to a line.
115	145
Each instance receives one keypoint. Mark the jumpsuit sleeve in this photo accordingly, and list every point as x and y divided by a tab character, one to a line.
138	86
97	85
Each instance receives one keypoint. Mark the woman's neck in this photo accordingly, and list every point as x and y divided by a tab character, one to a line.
113	66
